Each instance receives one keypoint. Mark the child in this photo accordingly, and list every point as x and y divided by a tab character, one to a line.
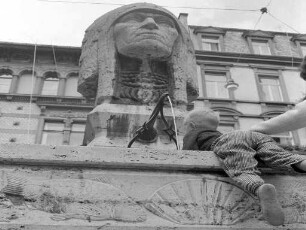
237	151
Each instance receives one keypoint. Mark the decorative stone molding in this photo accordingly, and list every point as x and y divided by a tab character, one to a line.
209	30
119	188
258	34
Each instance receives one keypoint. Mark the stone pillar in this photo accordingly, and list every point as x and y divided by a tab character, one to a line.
38	85
67	130
61	87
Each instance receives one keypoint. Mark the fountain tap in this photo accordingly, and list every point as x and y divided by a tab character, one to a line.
147	132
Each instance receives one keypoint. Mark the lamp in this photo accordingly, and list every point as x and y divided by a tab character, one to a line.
231	85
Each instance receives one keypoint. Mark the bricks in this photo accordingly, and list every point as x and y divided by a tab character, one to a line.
282	46
234	42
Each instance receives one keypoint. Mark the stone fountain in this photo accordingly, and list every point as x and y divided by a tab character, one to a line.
133	58
130	57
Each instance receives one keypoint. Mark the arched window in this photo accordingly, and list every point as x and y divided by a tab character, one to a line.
26	83
228	119
71	86
5	80
50	84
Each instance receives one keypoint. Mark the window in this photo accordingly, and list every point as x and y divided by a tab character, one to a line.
260	42
71	87
210	38
261	47
210	43
62	133
284	138
77	134
26	84
215	85
53	133
270	88
5	83
50	86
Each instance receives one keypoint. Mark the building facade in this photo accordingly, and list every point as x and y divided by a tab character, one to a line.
39	103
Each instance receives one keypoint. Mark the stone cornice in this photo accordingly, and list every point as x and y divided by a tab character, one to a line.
210	30
246	58
42	47
258	34
49	100
241	30
299	37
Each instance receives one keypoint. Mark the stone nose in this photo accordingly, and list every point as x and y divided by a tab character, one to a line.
149	24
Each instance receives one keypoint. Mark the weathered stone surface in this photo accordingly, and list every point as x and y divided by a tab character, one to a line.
47	187
143	42
132	56
115	125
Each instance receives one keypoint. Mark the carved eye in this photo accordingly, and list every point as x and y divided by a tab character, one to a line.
132	18
164	21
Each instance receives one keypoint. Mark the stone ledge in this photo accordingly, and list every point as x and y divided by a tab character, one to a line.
124	227
107	157
110	158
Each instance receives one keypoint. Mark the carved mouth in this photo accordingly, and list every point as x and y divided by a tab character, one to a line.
148	34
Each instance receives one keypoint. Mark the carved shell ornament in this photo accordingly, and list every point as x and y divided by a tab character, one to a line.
202	202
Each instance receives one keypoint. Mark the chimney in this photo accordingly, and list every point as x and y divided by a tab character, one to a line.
183	19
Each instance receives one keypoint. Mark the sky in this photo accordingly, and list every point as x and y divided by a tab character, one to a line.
64	24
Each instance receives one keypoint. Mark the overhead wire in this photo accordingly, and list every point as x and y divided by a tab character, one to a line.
55	62
180	7
283	22
31	93
257	22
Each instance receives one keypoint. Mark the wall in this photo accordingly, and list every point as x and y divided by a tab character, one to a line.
247	89
15	122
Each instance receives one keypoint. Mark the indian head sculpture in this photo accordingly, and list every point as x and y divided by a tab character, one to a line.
134	54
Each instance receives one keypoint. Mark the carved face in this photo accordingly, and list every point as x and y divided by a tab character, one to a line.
142	34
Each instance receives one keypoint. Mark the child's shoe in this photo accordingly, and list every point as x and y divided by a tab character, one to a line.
270	206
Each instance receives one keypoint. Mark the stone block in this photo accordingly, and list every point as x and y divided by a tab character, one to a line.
64	187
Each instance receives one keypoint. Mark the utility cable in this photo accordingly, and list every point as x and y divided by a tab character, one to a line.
32	89
181	7
283	23
55	62
263	11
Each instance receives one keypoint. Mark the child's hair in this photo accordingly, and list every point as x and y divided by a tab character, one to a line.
203	118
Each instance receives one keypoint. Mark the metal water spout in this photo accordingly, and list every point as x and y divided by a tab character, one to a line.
147	133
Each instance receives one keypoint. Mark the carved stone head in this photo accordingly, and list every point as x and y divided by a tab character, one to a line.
136	53
142	34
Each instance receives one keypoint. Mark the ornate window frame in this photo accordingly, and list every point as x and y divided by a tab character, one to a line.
21	73
51	74
277	73
8	71
210	32
299	40
228	116
258	35
216	69
68	122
